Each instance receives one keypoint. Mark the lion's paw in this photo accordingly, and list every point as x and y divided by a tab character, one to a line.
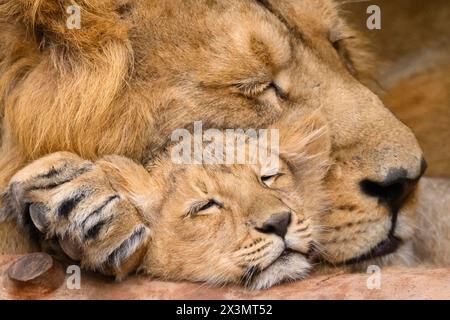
71	200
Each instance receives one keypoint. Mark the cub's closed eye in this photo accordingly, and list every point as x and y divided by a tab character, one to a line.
279	91
339	46
268	180
204	207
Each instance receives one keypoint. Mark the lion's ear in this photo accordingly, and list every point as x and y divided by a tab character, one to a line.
84	25
304	141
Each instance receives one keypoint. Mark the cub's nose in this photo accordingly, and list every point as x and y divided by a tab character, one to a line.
395	188
278	224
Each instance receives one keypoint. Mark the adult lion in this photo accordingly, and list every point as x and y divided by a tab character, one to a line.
137	70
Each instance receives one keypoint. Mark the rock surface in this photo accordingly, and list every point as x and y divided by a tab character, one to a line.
396	283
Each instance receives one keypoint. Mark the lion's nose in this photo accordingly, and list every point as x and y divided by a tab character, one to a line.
395	188
278	224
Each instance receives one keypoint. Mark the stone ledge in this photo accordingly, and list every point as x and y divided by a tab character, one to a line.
396	283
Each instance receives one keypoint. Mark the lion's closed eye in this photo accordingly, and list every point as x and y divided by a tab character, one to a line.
257	89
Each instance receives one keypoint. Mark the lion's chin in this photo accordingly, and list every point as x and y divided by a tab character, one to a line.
402	256
289	266
396	249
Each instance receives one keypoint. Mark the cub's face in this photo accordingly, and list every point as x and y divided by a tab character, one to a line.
251	224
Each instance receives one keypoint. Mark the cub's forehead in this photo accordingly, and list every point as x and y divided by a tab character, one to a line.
228	151
209	175
188	180
203	172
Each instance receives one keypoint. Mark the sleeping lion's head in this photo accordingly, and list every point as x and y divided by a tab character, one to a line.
253	224
137	70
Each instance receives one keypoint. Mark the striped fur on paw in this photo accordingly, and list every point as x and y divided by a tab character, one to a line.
69	199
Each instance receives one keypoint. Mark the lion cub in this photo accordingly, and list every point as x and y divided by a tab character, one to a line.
248	224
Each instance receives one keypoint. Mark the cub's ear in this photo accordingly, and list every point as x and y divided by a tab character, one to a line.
83	25
305	142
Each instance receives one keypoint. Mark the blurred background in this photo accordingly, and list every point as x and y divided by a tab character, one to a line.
412	51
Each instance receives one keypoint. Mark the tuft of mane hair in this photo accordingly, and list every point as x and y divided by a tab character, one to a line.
76	76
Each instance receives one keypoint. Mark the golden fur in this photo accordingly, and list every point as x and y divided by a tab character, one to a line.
138	69
116	217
